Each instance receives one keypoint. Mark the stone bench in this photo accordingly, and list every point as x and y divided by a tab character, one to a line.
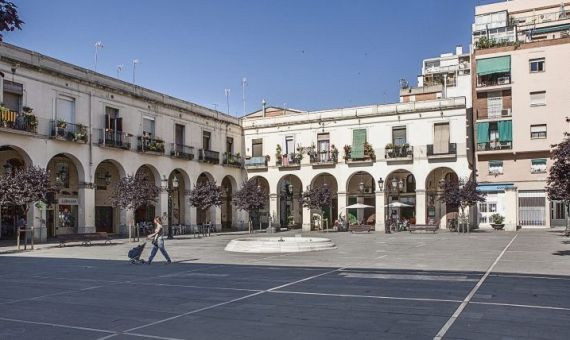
359	228
85	239
426	227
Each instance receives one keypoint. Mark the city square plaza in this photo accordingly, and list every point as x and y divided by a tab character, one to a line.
482	285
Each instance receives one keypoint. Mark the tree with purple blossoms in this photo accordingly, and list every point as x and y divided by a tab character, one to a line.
9	19
132	192
21	187
558	181
461	194
205	195
250	198
317	198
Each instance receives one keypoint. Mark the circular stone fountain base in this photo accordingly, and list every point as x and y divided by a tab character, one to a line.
279	244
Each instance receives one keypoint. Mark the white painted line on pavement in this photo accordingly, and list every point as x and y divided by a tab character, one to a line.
517	305
227	302
467	299
57	325
415	277
363	296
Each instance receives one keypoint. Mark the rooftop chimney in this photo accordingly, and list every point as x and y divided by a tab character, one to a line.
458	50
263	106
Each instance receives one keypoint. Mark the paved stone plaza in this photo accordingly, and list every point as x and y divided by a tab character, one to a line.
486	285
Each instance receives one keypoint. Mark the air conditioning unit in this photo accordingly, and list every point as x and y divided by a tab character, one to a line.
503	80
506	112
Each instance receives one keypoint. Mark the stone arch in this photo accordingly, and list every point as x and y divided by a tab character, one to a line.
264	216
289	207
107	218
66	212
178	206
330	213
400	187
435	208
229	212
147	213
8	152
11	158
361	188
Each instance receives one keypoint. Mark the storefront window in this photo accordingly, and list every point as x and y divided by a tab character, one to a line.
67	217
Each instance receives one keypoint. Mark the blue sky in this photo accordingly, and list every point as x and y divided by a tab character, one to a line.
310	54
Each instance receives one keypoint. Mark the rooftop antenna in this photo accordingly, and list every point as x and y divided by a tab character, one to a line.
98	46
243	85
227	93
119	69
135	62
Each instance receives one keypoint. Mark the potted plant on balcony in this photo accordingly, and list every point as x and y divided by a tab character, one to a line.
497	221
27	109
334	153
347	150
405	150
369	151
80	134
267	159
61	125
298	156
390	150
312	152
31	122
278	155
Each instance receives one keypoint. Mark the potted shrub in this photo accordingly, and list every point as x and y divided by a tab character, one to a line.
80	134
61	125
497	221
334	153
267	159
278	156
389	150
347	150
369	151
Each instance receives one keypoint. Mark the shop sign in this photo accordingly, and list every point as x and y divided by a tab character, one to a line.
68	201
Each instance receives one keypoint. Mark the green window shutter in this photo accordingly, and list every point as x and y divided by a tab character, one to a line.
505	131
482	133
493	65
358	140
539	161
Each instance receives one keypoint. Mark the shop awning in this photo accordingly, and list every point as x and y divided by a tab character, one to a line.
494	187
494	65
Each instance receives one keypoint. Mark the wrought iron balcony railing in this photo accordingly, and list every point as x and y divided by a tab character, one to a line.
232	160
114	139
18	121
451	151
209	156
181	151
71	132
256	162
148	144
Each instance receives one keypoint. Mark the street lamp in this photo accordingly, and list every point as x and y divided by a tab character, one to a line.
361	186
170	190
380	184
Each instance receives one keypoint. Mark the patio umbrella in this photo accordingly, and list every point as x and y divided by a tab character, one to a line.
358	206
398	205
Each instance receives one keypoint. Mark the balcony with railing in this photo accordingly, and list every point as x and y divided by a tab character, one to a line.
493	81
449	152
292	160
233	160
114	139
18	122
209	156
399	153
493	113
540	19
324	158
150	145
256	163
495	145
63	130
181	151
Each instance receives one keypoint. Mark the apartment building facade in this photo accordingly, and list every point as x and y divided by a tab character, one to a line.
89	130
520	105
381	156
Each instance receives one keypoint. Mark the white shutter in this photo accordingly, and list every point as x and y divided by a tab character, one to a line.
66	109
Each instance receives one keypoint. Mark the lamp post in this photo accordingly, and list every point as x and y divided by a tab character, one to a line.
170	190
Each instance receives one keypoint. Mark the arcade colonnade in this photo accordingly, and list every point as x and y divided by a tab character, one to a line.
86	176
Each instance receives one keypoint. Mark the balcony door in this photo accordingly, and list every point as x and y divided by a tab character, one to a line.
112	120
323	146
441	138
257	147
179	134
66	109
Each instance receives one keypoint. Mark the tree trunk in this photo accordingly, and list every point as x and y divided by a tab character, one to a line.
567	230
